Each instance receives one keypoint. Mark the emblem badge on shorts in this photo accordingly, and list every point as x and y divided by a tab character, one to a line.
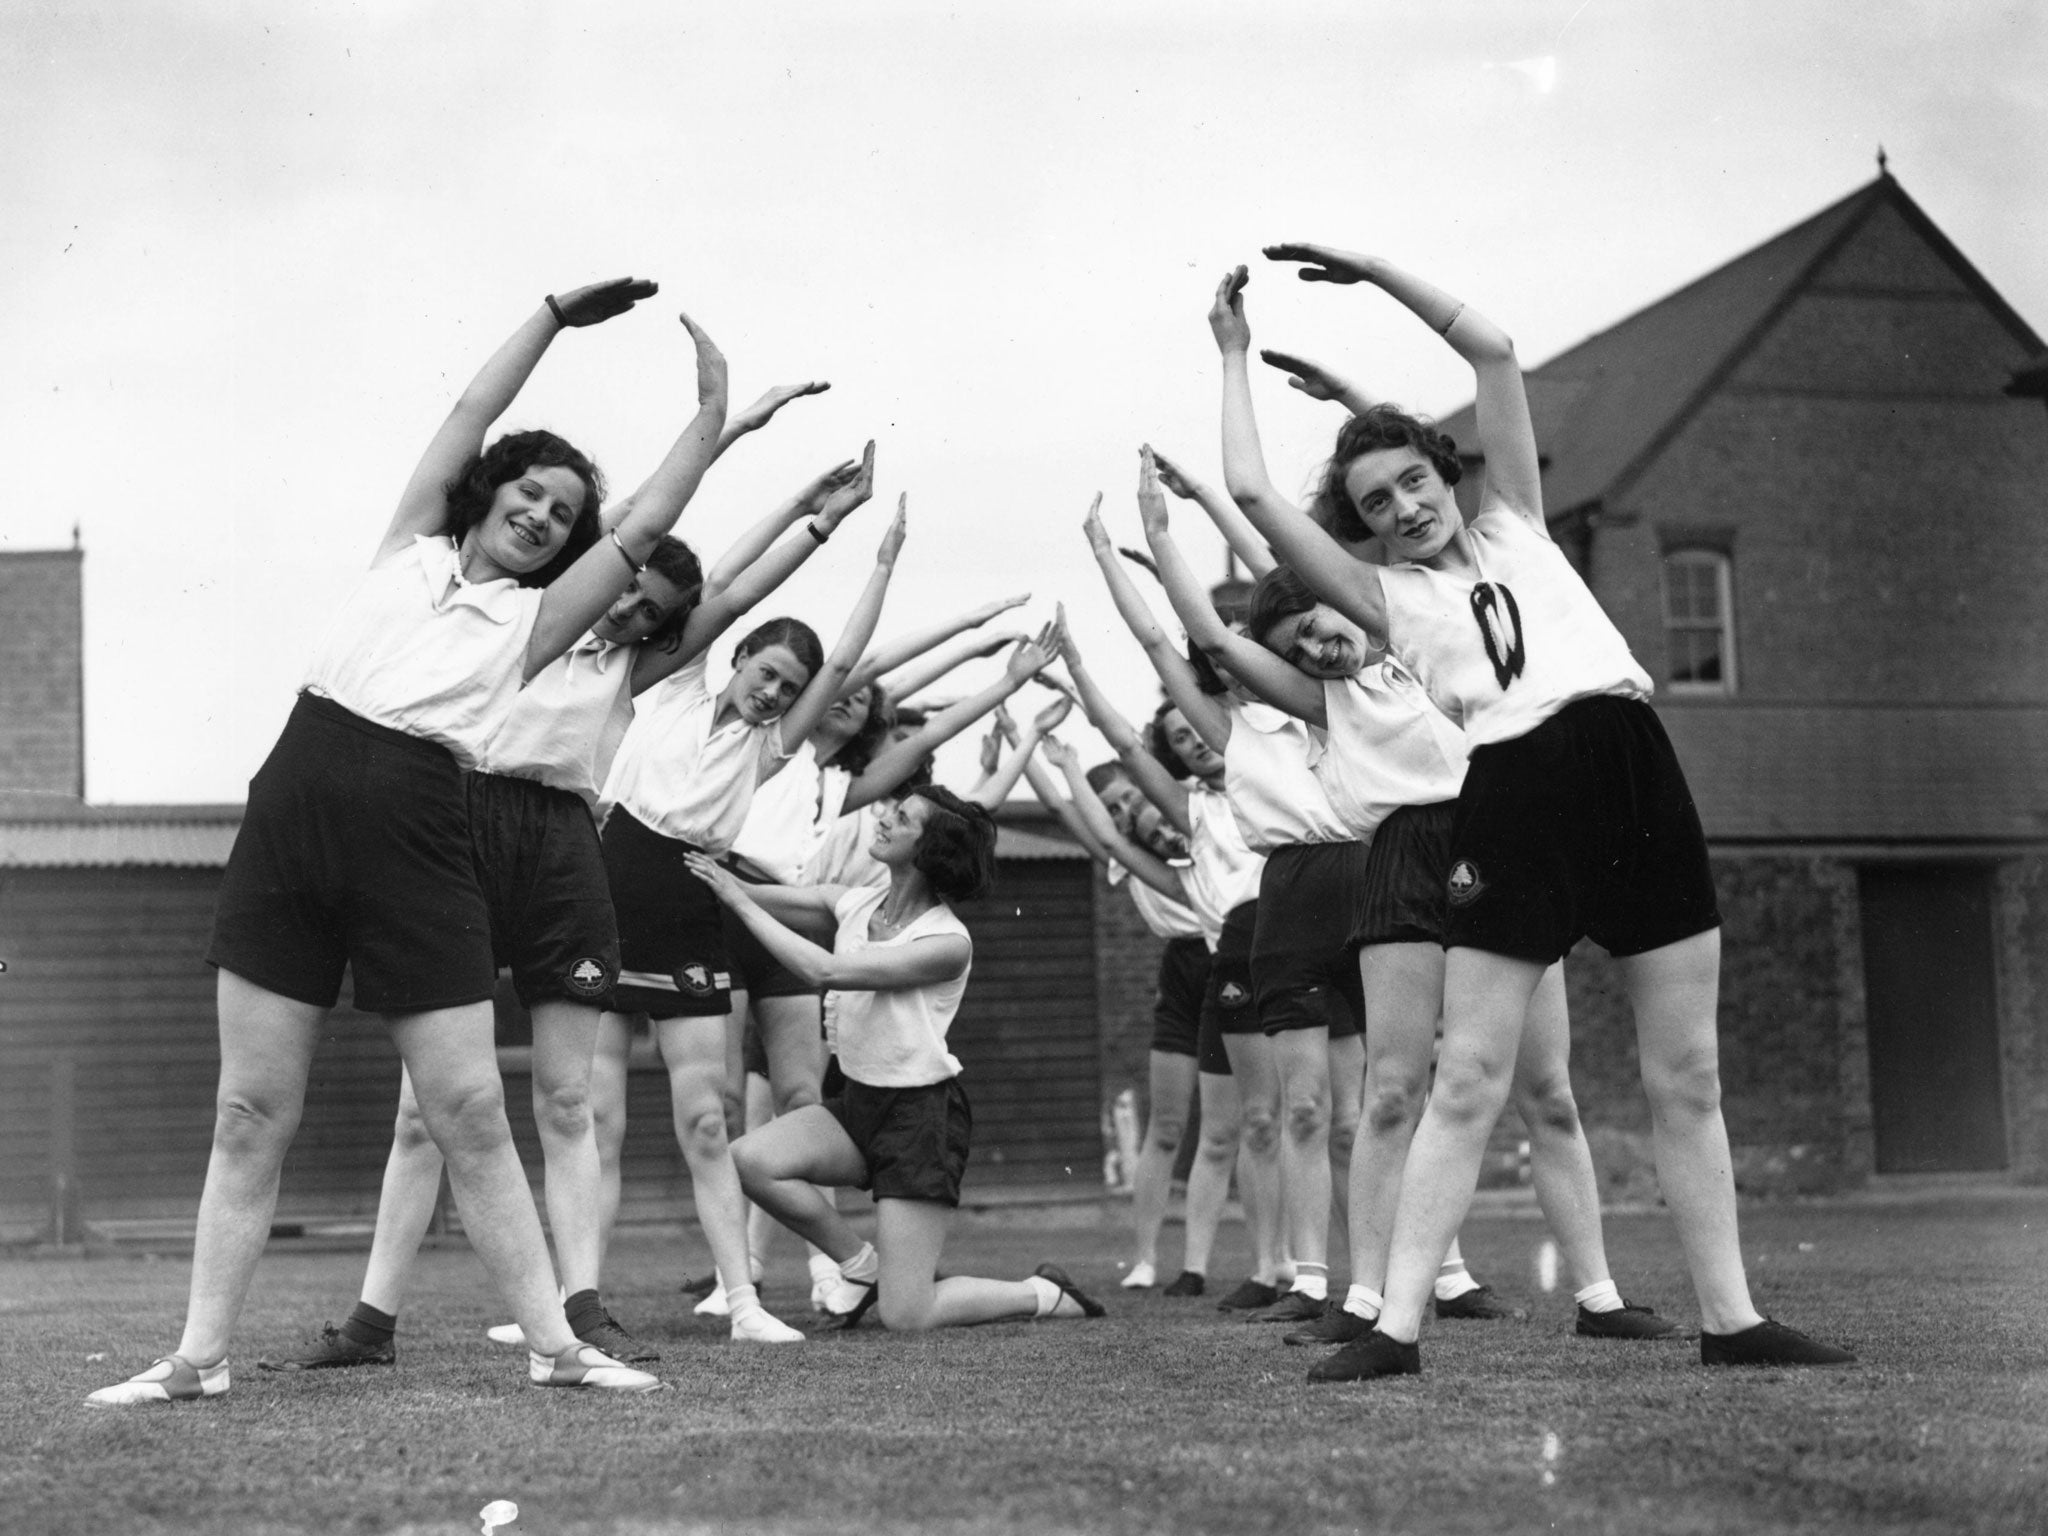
1465	883
587	978
1231	995
695	980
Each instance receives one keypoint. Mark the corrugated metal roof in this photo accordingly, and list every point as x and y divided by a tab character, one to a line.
1865	772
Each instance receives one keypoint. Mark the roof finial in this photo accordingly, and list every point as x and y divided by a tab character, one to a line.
1882	161
74	536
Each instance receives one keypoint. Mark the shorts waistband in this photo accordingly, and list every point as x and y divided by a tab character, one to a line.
319	706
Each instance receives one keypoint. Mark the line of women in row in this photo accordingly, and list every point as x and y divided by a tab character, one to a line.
1421	773
512	657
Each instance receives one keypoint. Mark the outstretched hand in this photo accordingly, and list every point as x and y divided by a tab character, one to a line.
899	530
1098	536
1063	637
1151	500
1029	657
1227	323
988	611
1311	378
762	411
711	380
992	743
990	641
595	303
852	485
1052	716
721	880
1057	752
1173	477
1325	263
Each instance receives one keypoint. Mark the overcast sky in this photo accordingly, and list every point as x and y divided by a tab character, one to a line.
250	253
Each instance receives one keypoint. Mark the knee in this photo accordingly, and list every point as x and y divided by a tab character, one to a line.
1471	1091
796	1096
1218	1143
246	1123
563	1112
1684	1082
1260	1130
1394	1107
702	1131
1308	1120
746	1162
469	1117
1343	1137
903	1316
1166	1132
410	1132
1548	1108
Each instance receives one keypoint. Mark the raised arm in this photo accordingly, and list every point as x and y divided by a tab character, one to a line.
1514	476
1047	788
828	499
1318	382
1230	521
737	426
920	963
818	694
897	761
1250	663
1146	771
1204	712
1349	585
422	506
575	599
825	501
1134	856
895	652
909	681
995	789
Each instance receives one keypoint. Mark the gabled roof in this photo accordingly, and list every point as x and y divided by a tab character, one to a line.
1604	408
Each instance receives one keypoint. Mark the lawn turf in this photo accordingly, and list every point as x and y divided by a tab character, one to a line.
1167	1416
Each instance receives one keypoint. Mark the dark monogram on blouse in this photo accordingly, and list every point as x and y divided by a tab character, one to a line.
1500	626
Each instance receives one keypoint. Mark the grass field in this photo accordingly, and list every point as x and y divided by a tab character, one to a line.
1164	1417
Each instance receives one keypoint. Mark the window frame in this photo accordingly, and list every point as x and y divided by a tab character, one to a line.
1692	556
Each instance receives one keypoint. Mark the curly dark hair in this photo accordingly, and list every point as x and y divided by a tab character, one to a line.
860	748
1384	426
956	851
472	489
1279	594
1102	775
1207	677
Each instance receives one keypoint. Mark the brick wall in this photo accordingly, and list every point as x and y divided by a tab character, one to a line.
2021	891
42	747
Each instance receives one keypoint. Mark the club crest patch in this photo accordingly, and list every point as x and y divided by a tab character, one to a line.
1465	883
1232	995
587	978
695	979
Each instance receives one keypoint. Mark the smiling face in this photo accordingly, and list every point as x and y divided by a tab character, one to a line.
1321	643
1402	499
898	826
766	683
1187	744
640	609
529	518
846	716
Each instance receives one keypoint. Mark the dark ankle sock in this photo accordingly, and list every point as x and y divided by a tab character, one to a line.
584	1311
366	1325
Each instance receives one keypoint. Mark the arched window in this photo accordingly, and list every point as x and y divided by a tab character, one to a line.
1699	622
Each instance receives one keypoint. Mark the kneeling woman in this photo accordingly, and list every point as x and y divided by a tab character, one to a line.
899	962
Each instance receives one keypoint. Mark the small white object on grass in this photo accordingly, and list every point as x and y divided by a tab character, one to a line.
498	1512
1551	1450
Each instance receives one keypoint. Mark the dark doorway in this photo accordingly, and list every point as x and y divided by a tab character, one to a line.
1932	1004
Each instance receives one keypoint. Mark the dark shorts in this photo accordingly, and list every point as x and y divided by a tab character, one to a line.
1404	877
1304	962
672	956
754	970
913	1140
1177	1008
1583	828
1229	1006
354	853
542	872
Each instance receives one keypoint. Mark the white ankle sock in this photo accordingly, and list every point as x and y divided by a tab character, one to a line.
1312	1281
823	1269
1600	1297
1453	1280
863	1267
741	1298
1363	1301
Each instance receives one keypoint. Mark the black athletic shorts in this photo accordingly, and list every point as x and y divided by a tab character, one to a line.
354	853
1304	961
1177	1007
913	1140
672	956
755	971
1229	1006
542	872
1583	828
1404	877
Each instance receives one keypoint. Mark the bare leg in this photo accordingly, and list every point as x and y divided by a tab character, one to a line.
1258	1087
1347	1086
1171	1084
1560	1162
760	1225
564	1039
266	1047
1301	1060
1676	994
782	1164
694	1049
908	1238
1209	1177
1404	988
1486	1000
405	1204
608	1064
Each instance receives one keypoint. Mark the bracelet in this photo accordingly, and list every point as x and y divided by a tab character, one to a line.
1450	320
556	310
625	554
815	531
